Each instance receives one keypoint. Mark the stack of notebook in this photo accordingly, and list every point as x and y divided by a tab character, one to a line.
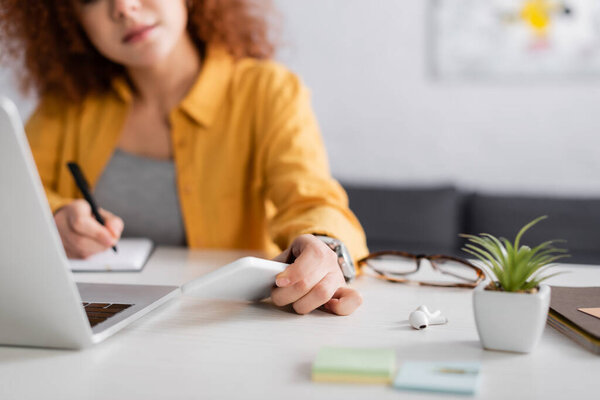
576	313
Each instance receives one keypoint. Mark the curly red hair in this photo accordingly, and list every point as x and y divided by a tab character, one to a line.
58	58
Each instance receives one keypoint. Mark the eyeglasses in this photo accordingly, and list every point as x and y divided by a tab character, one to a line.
445	271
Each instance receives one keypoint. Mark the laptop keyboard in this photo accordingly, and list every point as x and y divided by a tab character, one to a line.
100	312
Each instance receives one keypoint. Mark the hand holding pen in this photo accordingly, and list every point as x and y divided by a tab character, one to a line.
83	231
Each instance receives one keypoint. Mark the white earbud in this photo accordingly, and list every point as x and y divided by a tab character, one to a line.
421	318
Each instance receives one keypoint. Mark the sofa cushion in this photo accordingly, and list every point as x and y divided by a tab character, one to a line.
575	220
410	219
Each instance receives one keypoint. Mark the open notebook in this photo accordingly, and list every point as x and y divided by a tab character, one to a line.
132	255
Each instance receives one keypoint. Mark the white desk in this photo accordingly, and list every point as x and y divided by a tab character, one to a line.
192	348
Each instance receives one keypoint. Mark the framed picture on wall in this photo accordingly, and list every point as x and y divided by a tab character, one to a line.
515	38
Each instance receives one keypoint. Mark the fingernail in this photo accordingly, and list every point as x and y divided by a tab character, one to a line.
281	282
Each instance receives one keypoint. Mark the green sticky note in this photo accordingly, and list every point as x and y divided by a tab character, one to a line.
355	365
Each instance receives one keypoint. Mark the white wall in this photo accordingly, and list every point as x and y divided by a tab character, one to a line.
386	121
9	88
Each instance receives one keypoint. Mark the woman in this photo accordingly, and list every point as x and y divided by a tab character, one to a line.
174	111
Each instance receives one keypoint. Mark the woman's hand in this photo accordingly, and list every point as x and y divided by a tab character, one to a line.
313	280
81	234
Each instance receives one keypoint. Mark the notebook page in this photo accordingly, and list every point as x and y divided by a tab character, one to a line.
132	255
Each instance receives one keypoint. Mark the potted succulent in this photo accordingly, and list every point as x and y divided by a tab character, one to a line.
510	311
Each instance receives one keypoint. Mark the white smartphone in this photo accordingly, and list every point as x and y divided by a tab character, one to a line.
246	279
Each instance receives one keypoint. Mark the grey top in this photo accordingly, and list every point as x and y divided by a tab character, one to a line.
142	191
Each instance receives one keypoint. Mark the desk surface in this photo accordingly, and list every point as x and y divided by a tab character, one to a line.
192	348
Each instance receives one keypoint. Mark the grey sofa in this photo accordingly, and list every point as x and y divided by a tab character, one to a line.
429	220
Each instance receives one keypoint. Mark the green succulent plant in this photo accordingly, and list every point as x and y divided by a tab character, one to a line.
515	267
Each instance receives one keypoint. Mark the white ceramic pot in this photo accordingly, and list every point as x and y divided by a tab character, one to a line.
510	321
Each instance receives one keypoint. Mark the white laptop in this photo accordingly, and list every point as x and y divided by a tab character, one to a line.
40	304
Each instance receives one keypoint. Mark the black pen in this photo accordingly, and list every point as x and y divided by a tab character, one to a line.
84	187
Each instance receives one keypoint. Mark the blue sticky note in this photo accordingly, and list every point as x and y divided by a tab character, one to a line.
445	377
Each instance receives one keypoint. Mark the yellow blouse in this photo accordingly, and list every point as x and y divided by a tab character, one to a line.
251	168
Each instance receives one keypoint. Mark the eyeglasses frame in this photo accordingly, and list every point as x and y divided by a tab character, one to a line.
389	276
